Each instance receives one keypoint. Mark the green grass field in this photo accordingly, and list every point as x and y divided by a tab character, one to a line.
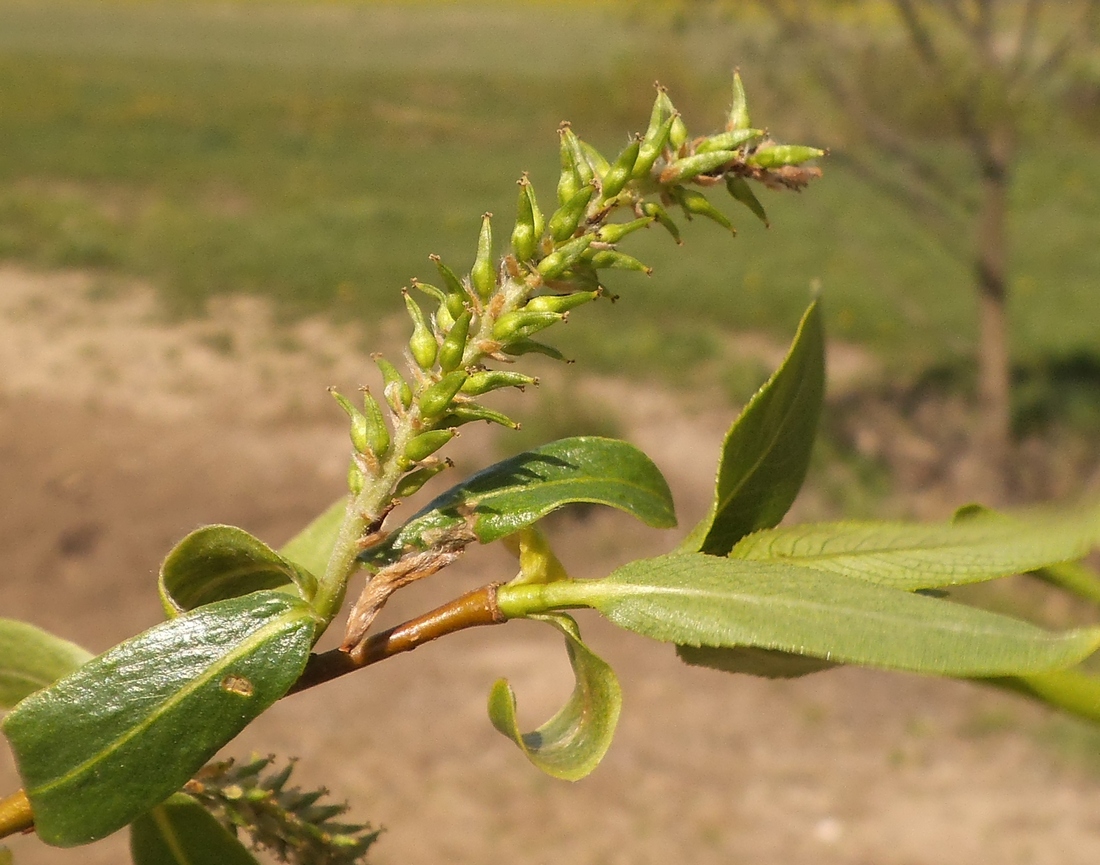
317	153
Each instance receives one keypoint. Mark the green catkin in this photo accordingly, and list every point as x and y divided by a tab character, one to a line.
396	389
690	167
783	154
469	412
483	276
435	399
495	379
739	110
611	259
359	437
422	343
651	148
378	434
616	231
454	343
560	302
521	347
427	443
621	170
456	292
521	323
529	223
562	258
564	220
728	140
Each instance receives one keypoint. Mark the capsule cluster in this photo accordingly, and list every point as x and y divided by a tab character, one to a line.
553	265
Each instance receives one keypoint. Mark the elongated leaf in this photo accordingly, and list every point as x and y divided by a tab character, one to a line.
914	556
517	492
215	563
572	743
31	659
311	547
182	832
767	450
127	729
700	600
766	663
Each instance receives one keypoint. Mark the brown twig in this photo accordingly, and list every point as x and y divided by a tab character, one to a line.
472	610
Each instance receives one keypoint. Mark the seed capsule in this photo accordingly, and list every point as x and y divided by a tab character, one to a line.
728	140
412	482
398	393
739	110
741	191
783	154
359	438
696	203
611	259
653	209
454	343
529	222
470	412
378	434
615	231
422	344
521	323
529	346
456	292
690	167
435	399
595	159
482	275
427	443
562	258
584	171
566	218
495	379
356	479
621	170
560	302
651	147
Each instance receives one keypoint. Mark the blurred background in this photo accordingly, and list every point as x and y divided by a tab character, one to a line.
207	210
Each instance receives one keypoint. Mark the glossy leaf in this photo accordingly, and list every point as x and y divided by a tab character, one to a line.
572	743
700	600
215	563
31	659
517	492
917	556
130	727
182	832
767	450
311	547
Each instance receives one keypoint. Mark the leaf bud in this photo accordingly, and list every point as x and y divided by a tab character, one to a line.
529	222
422	343
690	167
560	302
436	398
412	482
396	389
482	275
652	208
621	170
783	154
427	443
521	323
613	232
454	343
566	218
558	261
495	379
359	438
465	413
695	203
741	191
378	434
728	140
739	110
652	146
610	259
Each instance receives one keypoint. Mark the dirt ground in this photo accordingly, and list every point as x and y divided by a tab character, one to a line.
120	432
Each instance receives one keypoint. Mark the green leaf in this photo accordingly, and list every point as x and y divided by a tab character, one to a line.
700	600
767	450
130	727
517	492
571	744
767	663
311	547
215	563
919	556
182	832
31	659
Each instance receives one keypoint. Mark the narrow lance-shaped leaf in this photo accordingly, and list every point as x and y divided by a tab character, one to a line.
917	556
572	743
130	727
517	492
767	450
182	832
215	563
700	600
31	659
